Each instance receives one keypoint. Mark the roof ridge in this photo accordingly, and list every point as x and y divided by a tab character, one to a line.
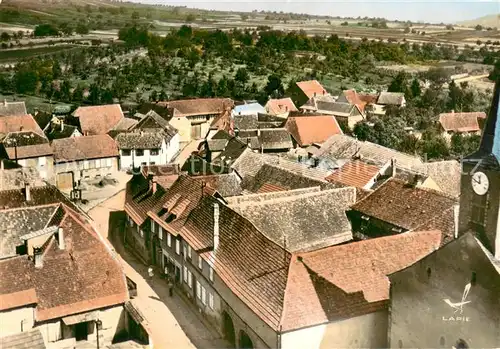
321	193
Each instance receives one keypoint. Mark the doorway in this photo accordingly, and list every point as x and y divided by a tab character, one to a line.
81	331
228	329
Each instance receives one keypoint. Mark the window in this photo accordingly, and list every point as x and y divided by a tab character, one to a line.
152	226
139	152
109	162
177	246
200	262
185	274
91	164
198	289
86	164
203	295
154	151
211	272
189	251
98	163
169	240
190	279
184	252
42	161
141	232
160	232
211	301
125	152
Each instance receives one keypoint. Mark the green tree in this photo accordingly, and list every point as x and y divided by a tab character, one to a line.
82	29
5	36
45	30
190	18
416	91
495	74
274	86
399	83
153	96
135	15
242	75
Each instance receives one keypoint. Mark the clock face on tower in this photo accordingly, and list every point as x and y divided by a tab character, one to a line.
480	183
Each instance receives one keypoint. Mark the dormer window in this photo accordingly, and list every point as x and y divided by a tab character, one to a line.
171	217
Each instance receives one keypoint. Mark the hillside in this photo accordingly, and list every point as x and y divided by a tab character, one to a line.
486	21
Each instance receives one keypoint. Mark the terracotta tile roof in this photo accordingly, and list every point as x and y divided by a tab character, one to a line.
12	108
182	197
280	106
198	106
140	198
307	130
99	119
270	188
354	98
403	205
461	122
70	281
349	280
227	184
355	173
308	221
311	88
19	298
19	123
84	148
253	267
26	144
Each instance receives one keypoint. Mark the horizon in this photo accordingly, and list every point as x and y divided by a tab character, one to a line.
416	11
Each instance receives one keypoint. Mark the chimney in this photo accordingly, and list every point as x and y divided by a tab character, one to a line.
216	226
62	125
38	257
21	128
60	238
453	111
393	167
155	187
314	94
5	102
27	191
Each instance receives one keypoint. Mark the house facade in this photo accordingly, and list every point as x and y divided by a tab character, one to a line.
83	158
52	288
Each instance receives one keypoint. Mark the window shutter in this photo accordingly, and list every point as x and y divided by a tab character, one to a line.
203	295
160	232
211	301
198	289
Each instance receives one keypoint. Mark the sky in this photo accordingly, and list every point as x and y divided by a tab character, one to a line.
450	11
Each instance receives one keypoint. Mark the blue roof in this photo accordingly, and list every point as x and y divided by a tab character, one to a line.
251	108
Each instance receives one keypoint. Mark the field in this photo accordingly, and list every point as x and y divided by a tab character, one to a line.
9	56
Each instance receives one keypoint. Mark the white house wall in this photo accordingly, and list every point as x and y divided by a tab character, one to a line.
366	331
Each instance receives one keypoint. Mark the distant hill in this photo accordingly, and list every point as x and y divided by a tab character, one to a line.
486	21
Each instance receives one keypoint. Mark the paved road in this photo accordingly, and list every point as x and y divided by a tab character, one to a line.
173	322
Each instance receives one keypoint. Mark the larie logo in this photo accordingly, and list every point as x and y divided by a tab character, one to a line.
459	306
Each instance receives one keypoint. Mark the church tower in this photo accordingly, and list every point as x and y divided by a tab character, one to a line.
480	184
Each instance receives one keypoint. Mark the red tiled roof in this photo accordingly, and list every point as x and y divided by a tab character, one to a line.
270	188
198	106
307	130
19	123
349	280
84	148
99	119
461	122
355	173
311	88
18	299
82	277
404	205
253	267
280	106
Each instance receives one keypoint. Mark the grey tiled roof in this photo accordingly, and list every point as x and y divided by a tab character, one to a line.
138	140
12	108
275	138
18	222
307	222
340	147
24	340
246	122
390	98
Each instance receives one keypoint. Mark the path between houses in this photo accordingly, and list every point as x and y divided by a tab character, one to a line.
173	323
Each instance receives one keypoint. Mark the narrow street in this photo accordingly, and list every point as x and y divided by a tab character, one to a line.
172	321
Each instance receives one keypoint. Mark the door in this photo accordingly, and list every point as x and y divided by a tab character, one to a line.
82	331
65	181
195	131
